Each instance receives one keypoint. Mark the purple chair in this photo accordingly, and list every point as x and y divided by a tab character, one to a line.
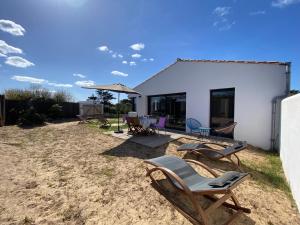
160	125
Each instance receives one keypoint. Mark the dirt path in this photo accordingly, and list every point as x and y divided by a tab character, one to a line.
72	174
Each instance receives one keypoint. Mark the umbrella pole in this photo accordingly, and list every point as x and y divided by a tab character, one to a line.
118	113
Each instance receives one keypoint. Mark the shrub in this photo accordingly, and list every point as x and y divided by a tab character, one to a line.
18	94
30	117
62	96
25	105
55	111
42	105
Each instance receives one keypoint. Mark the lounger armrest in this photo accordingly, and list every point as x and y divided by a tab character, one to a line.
170	174
203	166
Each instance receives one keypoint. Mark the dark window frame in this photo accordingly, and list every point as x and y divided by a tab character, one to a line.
164	95
210	102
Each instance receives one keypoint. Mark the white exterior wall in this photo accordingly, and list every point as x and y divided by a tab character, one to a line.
290	145
255	87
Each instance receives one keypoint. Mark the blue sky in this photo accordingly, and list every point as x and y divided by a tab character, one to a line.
62	44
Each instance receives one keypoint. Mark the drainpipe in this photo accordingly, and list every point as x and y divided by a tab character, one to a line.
276	102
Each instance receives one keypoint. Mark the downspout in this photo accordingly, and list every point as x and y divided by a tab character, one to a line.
275	135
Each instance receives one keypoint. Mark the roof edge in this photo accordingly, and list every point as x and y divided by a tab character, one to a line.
156	74
233	61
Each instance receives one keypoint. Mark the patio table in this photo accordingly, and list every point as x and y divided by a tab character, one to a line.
147	121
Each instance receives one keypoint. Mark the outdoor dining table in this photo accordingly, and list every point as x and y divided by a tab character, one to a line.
146	122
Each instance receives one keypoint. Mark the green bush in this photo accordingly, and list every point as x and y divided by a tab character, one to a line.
55	111
42	105
30	118
33	104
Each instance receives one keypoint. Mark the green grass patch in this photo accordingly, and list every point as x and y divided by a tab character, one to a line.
114	120
95	124
269	172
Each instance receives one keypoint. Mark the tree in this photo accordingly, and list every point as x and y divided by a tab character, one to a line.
125	106
105	97
294	92
92	97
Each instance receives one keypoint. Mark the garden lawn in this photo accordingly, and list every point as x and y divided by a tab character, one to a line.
74	174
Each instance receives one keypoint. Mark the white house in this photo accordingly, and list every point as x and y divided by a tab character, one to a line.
216	92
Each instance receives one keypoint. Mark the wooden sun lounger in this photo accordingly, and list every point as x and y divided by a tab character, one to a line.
226	151
186	180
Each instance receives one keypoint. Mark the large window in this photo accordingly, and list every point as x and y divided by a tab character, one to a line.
173	106
221	107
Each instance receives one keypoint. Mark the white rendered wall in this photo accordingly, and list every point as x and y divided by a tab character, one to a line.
289	143
255	87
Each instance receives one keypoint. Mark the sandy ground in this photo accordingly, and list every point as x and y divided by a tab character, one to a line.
72	174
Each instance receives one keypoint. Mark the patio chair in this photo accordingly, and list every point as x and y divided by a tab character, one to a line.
207	151
196	127
134	126
129	122
186	180
161	124
225	131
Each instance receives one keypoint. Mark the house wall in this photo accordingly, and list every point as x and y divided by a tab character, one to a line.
255	87
289	143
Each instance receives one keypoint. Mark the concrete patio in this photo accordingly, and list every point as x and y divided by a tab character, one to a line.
151	141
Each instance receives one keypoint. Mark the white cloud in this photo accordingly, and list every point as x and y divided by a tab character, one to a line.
226	26
35	80
284	3
103	48
118	73
11	27
78	75
222	11
146	60
85	83
124	62
2	55
6	48
18	61
222	22
136	55
59	85
32	80
137	46
259	12
132	63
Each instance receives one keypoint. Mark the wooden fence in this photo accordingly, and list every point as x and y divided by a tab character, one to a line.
12	110
2	110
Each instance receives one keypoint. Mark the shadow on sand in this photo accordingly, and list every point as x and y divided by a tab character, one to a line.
131	149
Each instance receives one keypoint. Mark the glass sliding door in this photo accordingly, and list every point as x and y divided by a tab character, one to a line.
221	107
173	106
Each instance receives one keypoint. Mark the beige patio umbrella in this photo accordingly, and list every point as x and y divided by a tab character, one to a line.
119	88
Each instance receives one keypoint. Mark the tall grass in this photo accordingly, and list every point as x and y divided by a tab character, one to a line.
269	172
